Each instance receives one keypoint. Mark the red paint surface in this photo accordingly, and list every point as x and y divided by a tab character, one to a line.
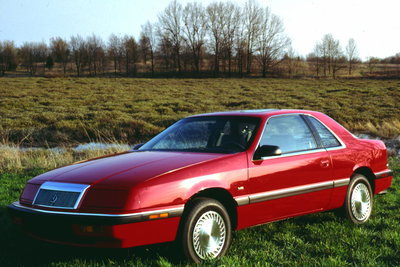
142	181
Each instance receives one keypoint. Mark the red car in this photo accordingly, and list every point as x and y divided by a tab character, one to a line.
205	176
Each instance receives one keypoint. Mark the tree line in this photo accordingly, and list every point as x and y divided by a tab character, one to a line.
220	39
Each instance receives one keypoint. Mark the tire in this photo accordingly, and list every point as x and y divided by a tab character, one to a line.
358	203
206	231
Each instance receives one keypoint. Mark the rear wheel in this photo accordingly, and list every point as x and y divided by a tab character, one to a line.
206	232
358	204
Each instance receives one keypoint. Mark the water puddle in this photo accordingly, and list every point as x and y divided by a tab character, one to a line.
392	145
100	146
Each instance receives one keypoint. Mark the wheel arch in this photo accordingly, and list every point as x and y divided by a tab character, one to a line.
221	195
367	172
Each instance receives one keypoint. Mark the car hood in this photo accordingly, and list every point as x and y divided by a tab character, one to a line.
136	166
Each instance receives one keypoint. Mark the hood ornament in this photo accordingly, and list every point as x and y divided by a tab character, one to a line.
53	200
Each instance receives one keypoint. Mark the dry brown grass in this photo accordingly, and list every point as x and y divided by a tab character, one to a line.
14	158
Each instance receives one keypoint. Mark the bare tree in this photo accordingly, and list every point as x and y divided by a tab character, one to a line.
314	59
8	57
130	54
240	45
215	17
114	51
149	33
41	53
78	49
292	62
270	42
330	55
351	53
322	52
222	37
166	51
144	47
334	54
32	55
25	53
372	64
252	23
95	51
194	30
60	51
170	22
232	18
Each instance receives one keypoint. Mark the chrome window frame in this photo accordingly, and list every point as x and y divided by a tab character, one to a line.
301	152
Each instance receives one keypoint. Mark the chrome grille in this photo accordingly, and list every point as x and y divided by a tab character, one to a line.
60	195
56	198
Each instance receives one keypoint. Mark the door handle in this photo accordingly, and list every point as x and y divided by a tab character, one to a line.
325	163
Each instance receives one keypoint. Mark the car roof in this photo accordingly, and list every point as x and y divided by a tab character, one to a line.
256	112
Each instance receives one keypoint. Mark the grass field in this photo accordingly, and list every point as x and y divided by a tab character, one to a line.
64	111
40	111
323	239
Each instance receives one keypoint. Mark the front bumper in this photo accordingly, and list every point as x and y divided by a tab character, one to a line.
98	230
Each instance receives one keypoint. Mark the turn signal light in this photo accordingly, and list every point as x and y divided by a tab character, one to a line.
88	229
158	216
91	229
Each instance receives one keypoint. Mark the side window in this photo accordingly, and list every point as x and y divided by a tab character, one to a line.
327	138
290	133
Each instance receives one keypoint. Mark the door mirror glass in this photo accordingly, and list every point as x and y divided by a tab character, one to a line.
267	151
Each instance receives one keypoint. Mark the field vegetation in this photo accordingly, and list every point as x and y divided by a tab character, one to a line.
64	111
323	239
52	112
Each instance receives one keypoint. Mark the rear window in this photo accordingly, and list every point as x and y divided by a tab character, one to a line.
326	136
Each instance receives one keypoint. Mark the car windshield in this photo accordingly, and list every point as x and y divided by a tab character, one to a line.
209	134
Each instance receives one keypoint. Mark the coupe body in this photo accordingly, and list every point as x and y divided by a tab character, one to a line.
202	178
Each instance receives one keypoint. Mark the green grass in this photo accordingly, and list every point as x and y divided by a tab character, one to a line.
43	111
46	112
322	239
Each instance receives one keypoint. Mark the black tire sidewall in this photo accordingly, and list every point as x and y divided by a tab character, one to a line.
355	180
198	208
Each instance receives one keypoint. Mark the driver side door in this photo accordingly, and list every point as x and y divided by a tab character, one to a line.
296	182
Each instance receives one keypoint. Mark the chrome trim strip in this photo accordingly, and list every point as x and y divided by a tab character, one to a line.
291	191
290	154
335	148
173	212
383	174
341	182
66	187
287	192
240	201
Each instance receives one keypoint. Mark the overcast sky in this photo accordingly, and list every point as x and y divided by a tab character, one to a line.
374	24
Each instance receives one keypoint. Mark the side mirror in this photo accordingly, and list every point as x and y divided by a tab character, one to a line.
266	151
136	147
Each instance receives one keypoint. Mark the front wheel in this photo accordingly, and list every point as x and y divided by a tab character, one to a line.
206	232
358	203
